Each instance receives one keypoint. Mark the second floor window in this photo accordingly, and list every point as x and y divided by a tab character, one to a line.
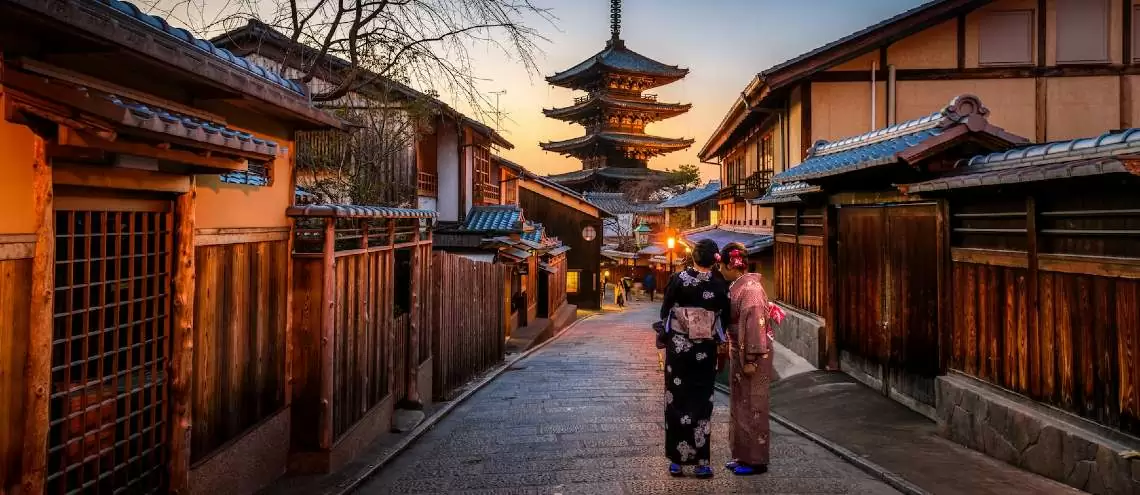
482	165
766	154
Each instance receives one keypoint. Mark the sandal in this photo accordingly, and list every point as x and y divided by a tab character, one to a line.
675	470
703	472
746	470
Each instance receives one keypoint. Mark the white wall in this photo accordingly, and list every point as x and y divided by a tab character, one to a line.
427	203
447	153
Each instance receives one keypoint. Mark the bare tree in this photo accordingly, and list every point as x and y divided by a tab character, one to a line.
425	41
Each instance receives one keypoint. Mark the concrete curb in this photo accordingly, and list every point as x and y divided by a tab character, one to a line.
895	481
352	484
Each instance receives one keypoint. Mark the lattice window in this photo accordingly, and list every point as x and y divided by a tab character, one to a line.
766	154
257	174
573	280
110	342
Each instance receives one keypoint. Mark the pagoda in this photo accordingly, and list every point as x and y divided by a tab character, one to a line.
614	112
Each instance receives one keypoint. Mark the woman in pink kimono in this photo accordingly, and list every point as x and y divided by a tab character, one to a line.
750	340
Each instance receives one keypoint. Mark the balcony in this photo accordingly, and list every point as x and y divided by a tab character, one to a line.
487	194
751	187
427	184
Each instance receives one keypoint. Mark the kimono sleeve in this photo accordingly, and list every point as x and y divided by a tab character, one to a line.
753	324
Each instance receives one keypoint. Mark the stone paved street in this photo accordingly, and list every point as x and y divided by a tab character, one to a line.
583	415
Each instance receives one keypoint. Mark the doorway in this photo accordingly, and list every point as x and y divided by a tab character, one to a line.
110	346
888	264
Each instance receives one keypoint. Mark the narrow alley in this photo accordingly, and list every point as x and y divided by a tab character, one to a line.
583	415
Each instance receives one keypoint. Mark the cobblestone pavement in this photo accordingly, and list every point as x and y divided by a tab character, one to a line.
583	415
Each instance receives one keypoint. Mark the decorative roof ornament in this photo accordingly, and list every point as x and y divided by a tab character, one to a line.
615	19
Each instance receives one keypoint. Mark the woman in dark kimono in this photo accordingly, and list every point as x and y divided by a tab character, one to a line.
694	300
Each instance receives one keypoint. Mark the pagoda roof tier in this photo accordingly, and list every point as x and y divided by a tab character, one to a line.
616	58
586	106
611	173
586	145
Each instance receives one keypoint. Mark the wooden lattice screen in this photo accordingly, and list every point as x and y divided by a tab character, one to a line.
110	343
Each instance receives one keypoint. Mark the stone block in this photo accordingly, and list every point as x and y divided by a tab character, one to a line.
802	333
1039	439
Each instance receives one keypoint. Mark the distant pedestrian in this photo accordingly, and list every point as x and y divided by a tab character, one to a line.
650	284
693	304
619	295
750	341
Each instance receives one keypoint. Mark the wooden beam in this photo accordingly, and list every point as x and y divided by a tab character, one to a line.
328	334
1041	110
945	287
831	279
1031	295
17	246
139	149
118	178
1126	24
990	257
182	348
413	351
805	120
1042	28
961	41
37	368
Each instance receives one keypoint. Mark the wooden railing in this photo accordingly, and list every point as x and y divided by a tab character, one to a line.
757	183
427	184
487	194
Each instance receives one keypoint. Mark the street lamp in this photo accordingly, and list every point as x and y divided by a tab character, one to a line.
671	243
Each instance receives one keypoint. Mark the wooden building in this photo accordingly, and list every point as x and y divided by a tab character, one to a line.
577	223
145	255
1048	69
436	157
693	209
934	276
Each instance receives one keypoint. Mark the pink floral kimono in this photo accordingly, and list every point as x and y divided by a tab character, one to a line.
750	334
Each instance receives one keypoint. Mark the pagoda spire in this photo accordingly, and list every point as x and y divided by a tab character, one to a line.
615	20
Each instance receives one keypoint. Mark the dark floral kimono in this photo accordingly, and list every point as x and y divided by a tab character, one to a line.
690	368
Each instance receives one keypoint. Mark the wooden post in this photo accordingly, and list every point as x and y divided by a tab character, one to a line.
945	287
328	333
414	327
1032	275
37	370
289	310
182	350
831	277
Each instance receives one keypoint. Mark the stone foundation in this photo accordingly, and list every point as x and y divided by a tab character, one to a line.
247	464
802	334
1036	437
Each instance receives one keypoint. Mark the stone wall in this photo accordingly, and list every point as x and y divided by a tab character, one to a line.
802	333
1036	437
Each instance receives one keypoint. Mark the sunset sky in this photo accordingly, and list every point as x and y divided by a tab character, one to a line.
724	43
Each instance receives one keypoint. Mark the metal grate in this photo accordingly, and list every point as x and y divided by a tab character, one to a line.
109	349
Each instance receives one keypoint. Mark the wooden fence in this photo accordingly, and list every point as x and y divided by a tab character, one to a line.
359	321
469	320
1047	291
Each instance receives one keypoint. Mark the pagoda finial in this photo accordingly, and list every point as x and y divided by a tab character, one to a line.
615	19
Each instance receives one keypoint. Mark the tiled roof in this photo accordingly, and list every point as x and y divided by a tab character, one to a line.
785	193
160	120
498	218
653	250
616	57
1056	160
867	150
356	211
160	24
592	104
618	138
615	254
690	198
558	250
617	173
618	204
754	243
535	233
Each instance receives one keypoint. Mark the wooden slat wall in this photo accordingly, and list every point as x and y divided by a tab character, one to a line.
1061	326
556	281
15	278
801	259
369	357
239	340
308	315
468	333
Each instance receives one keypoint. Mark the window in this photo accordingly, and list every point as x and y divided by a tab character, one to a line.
256	174
1082	31
766	156
573	279
1006	38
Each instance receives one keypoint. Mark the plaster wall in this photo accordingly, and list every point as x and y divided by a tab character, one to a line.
841	110
447	150
1081	106
16	185
933	48
224	205
1012	102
